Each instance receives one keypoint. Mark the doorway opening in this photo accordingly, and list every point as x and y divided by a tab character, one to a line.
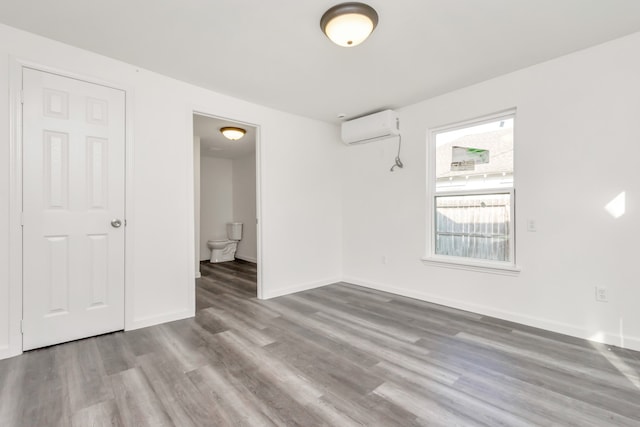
226	205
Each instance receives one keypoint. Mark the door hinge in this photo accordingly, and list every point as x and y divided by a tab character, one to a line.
22	219
22	326
21	96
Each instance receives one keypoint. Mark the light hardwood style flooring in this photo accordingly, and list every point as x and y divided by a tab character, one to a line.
340	355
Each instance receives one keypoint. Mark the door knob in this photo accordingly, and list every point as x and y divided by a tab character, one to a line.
116	223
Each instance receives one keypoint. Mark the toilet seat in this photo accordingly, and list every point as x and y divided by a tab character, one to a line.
218	243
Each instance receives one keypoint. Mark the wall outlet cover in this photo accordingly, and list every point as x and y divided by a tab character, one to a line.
601	294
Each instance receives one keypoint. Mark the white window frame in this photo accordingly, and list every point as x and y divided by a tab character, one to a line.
464	263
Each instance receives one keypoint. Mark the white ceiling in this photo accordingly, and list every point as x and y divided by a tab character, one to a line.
214	144
273	52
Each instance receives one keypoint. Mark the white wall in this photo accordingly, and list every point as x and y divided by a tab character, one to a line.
196	203
8	332
228	194
299	244
244	205
216	200
577	141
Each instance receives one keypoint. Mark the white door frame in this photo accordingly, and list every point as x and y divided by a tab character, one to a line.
16	66
203	112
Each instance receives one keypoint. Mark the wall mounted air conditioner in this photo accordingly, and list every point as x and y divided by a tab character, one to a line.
369	128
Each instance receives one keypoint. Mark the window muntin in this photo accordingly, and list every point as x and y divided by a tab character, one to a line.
473	191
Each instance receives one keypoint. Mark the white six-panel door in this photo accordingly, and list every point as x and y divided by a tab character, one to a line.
73	189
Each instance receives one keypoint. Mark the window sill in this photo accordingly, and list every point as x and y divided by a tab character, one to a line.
482	267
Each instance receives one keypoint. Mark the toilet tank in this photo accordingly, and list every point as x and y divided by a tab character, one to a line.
234	230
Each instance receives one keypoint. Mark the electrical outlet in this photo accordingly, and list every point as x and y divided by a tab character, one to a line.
602	294
383	259
531	225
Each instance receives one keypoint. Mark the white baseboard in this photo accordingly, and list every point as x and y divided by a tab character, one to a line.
247	258
632	343
7	352
198	275
161	318
298	288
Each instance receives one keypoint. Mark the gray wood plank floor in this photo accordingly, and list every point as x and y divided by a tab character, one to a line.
335	356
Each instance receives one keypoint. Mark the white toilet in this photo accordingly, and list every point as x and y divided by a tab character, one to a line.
225	250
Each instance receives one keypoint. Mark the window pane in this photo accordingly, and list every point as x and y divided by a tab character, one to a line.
474	226
475	157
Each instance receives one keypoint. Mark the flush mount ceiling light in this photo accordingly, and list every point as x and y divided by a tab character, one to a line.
233	133
349	24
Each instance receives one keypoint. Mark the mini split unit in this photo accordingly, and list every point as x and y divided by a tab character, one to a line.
370	128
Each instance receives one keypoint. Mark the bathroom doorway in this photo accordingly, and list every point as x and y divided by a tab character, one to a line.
226	199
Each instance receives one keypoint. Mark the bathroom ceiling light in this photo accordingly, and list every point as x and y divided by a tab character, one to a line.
349	24
233	133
